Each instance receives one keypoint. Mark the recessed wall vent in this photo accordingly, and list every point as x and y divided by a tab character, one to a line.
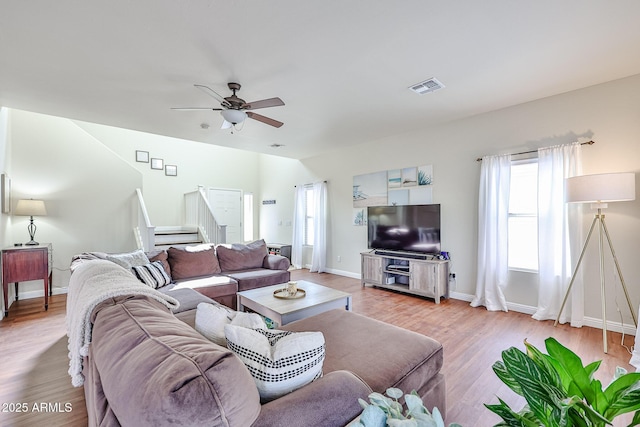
426	86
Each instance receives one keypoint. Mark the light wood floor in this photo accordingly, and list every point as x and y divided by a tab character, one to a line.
34	363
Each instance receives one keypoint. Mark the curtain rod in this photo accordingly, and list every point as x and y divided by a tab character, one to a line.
311	183
479	159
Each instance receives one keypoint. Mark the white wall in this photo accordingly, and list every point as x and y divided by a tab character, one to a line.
87	189
198	164
607	113
87	175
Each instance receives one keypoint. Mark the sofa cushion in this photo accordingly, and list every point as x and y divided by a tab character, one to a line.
155	370
212	318
279	361
192	261
129	259
242	257
258	278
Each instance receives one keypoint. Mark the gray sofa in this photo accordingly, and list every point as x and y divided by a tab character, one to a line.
146	365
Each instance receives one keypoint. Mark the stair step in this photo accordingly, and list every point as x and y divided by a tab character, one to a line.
177	229
164	239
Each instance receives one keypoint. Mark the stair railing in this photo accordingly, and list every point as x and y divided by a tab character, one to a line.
144	232
198	213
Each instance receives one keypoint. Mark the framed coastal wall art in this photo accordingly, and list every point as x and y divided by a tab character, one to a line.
405	186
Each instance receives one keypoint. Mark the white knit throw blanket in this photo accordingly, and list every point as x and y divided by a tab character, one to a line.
91	283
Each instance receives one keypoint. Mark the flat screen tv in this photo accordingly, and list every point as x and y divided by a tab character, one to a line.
411	228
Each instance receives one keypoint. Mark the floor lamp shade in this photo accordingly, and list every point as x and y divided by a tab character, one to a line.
601	188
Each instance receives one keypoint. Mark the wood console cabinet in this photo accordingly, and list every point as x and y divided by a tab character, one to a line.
24	263
410	273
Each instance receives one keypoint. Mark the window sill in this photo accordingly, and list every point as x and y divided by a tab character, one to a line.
523	270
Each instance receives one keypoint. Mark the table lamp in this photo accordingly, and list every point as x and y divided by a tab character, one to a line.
30	208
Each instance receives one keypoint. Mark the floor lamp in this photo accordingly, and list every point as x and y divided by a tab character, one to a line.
599	190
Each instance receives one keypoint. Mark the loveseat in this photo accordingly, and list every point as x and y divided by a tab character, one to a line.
217	271
147	365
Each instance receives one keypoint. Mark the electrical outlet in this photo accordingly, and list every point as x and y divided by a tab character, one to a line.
452	275
339	258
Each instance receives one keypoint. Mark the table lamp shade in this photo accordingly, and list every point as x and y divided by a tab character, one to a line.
30	207
601	188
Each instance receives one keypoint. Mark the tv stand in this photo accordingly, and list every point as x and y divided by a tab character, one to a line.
412	273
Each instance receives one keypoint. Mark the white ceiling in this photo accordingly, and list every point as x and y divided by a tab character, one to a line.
341	67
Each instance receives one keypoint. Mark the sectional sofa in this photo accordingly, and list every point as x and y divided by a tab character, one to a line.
143	363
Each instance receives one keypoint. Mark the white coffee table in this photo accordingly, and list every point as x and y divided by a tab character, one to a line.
318	299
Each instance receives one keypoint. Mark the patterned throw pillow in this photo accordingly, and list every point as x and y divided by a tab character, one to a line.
212	318
279	361
152	274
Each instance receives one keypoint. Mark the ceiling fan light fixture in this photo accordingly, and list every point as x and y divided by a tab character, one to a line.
234	116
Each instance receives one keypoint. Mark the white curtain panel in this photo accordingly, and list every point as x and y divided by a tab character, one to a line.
493	216
319	257
298	227
559	235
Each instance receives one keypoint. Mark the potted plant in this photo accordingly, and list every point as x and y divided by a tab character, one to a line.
383	411
561	391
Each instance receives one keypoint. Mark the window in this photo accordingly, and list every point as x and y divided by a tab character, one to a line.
523	216
248	217
309	209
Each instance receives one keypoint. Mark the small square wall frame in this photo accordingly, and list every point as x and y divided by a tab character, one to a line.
171	170
142	156
157	164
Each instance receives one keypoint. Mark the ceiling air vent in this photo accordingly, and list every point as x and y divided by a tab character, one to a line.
426	86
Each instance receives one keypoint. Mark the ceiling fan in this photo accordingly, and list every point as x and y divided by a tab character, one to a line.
235	110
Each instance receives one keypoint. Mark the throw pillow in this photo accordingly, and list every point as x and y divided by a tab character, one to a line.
152	274
279	361
241	257
129	259
162	256
192	261
212	318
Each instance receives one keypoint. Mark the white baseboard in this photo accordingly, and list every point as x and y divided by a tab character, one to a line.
40	293
593	322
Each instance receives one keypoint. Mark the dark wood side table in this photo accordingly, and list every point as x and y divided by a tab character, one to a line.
23	263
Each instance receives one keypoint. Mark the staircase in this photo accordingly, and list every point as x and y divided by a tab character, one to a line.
176	235
197	211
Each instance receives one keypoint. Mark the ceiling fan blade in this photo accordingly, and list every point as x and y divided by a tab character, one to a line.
196	109
226	125
212	93
264	103
264	119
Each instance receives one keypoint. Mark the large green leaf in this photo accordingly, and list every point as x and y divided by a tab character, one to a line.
545	362
636	420
625	401
572	364
512	418
531	377
506	377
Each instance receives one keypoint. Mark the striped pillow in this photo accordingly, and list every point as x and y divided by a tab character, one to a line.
152	274
279	361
